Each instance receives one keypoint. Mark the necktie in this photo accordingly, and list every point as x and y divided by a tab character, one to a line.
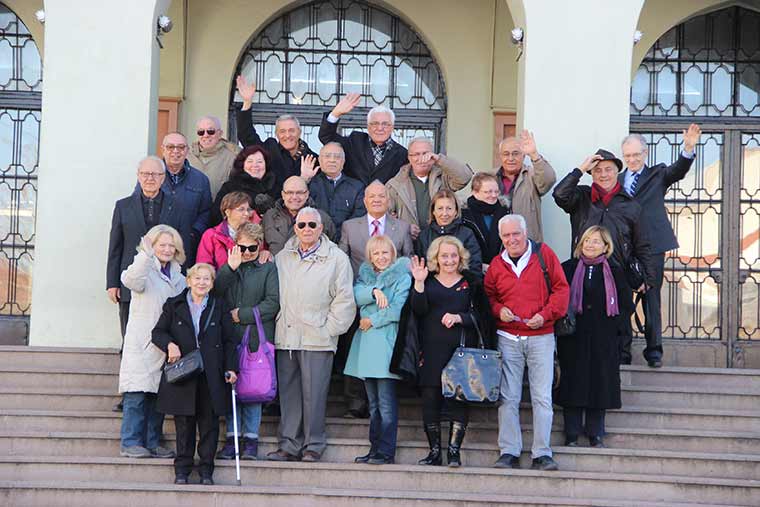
375	227
634	183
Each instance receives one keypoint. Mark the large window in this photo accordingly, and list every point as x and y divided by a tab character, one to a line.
307	59
20	103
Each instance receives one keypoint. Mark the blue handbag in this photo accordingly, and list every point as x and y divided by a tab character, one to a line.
472	374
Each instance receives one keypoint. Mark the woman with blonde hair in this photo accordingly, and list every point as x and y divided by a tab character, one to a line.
153	277
381	289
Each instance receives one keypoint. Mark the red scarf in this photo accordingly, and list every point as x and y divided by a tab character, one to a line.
598	193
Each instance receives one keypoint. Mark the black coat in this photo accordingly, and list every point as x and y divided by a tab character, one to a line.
217	349
650	194
281	162
342	201
262	192
488	239
459	229
360	163
590	359
127	229
622	218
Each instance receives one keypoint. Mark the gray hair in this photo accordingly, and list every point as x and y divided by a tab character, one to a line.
150	158
213	119
422	139
287	117
334	144
636	137
382	109
308	210
514	218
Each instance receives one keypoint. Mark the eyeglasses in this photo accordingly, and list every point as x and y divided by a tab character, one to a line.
291	193
149	176
175	147
376	124
312	225
250	248
202	132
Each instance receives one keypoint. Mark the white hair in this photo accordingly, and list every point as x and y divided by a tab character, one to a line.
287	117
213	119
421	139
150	158
308	210
334	144
514	218
381	109
636	137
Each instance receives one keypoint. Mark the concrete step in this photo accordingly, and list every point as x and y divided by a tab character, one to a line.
695	377
687	396
59	357
53	377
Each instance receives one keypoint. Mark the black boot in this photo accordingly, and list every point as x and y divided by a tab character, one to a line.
456	436
433	432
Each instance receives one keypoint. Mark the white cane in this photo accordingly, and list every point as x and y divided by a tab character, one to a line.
235	434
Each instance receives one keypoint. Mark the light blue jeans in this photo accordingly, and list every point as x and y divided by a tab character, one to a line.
537	352
140	424
249	420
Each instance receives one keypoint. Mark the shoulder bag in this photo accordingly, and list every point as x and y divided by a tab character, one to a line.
257	377
191	364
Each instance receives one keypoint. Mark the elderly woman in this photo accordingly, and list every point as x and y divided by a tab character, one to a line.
589	359
197	320
444	305
153	277
245	285
446	220
381	290
217	241
482	214
250	175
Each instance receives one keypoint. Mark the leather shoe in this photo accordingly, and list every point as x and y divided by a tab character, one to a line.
180	479
280	455
596	442
310	456
507	461
365	458
545	463
381	459
119	407
571	442
207	481
654	363
355	413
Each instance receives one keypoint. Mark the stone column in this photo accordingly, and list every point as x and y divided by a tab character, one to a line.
99	102
574	85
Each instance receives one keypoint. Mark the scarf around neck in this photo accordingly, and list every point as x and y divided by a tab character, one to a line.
481	207
610	290
598	193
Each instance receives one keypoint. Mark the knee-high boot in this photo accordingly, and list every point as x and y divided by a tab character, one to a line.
433	432
456	437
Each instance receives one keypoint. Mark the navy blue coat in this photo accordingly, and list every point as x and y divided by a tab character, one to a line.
342	201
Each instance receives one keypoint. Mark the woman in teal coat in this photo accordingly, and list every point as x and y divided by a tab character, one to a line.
381	289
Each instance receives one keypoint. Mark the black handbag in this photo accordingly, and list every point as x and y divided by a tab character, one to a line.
565	326
191	364
472	374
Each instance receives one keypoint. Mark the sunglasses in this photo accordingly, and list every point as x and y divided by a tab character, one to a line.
312	225
202	132
250	248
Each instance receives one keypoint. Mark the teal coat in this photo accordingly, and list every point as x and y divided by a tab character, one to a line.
371	350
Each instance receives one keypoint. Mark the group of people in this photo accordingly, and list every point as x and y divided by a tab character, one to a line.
361	259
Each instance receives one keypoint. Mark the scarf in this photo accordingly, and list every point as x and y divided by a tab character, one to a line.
576	286
482	208
598	193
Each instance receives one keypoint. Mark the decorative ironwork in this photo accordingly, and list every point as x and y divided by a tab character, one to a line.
749	238
706	66
308	58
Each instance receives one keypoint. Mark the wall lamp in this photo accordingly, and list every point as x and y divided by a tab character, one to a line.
637	35
518	37
40	15
163	25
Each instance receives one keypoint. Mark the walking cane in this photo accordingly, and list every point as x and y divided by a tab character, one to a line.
235	432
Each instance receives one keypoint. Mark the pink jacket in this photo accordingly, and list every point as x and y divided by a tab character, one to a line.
215	243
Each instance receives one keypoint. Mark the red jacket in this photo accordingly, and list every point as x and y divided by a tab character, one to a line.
216	242
527	295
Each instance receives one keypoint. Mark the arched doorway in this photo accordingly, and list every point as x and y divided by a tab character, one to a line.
309	57
20	107
707	70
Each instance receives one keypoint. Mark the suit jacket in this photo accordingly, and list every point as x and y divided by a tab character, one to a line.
127	229
355	235
359	159
650	194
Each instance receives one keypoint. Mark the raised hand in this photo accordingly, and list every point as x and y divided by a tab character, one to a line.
234	257
528	144
590	162
691	137
419	270
245	89
346	104
308	167
147	246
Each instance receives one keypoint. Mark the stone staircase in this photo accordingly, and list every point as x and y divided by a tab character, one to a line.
685	436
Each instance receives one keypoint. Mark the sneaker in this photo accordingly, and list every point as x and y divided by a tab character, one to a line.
228	451
161	452
250	449
135	451
545	463
507	461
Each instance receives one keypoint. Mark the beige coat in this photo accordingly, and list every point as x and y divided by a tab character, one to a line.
316	297
215	163
532	183
141	361
448	173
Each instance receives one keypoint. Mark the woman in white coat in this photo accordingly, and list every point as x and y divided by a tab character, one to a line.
153	277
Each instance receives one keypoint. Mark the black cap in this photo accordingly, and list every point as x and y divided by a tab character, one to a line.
608	155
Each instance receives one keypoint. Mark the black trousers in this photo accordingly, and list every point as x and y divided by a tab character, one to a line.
208	429
353	388
652	304
123	319
574	422
432	403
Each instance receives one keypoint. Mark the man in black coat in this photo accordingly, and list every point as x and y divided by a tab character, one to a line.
648	186
133	216
286	151
371	156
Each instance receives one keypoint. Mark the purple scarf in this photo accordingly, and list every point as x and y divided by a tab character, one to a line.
576	286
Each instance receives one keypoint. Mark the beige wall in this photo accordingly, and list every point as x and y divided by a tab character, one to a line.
171	80
505	67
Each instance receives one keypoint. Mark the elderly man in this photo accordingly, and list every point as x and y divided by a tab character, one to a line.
521	186
190	192
212	154
525	310
417	182
333	191
370	156
648	186
316	306
278	221
286	150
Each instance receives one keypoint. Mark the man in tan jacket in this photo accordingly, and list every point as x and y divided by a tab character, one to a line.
211	154
411	190
521	186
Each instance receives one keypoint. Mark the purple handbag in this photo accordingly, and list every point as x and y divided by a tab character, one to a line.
257	378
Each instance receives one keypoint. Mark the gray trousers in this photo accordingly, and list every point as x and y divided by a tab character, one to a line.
304	381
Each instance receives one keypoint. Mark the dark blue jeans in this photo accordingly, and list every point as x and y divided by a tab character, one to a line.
141	425
383	415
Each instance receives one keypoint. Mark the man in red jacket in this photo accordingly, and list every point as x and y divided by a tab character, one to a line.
525	310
